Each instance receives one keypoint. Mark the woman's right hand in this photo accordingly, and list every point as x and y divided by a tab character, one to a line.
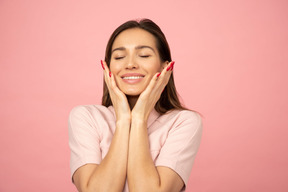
118	98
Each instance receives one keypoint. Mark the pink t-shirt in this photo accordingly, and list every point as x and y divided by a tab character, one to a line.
174	137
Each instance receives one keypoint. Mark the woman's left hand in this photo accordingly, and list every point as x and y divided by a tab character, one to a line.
149	97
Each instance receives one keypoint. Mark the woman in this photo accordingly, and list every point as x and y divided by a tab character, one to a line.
140	138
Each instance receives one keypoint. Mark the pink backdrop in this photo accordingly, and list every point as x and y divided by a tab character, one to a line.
231	65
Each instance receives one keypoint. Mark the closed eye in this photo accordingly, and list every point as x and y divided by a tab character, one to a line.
144	56
118	58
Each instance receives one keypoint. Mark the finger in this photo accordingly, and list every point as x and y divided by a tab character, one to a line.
106	75
106	68
166	73
154	80
167	69
159	78
159	84
151	84
170	66
114	84
102	64
109	78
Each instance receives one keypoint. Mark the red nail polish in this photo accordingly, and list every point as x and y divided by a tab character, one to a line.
102	65
109	73
172	65
158	74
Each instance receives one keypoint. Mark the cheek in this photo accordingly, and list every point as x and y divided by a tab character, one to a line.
154	67
114	68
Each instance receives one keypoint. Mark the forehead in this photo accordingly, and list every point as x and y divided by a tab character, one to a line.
134	37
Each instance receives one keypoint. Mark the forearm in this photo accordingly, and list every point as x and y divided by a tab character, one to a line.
142	173
110	174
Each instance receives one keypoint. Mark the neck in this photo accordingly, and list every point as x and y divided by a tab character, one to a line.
132	100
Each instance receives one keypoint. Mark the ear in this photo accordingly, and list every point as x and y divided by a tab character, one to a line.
164	64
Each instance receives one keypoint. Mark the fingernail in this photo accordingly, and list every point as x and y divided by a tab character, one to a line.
102	65
158	74
109	73
172	65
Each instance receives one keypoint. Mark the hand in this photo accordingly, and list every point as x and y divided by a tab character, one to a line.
118	98
149	97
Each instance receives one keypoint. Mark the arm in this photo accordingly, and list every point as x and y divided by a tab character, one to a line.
142	174
101	177
92	177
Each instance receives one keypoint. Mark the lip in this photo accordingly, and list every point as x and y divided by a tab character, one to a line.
132	81
132	74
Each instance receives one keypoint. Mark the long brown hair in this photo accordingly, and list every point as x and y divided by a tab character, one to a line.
169	99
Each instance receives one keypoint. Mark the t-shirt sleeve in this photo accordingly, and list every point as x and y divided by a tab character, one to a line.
181	145
83	138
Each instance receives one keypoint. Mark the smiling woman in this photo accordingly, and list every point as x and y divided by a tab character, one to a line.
141	138
132	54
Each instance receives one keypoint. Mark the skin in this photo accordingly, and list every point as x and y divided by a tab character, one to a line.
129	154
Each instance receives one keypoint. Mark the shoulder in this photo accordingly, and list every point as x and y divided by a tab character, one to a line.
90	108
180	116
90	112
183	121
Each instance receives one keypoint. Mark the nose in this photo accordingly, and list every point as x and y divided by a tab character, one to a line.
131	63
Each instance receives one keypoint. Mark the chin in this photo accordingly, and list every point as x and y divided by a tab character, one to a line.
132	92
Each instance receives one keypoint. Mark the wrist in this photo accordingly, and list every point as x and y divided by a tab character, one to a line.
137	119
140	117
123	117
123	121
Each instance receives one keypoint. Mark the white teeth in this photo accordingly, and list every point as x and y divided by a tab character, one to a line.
133	77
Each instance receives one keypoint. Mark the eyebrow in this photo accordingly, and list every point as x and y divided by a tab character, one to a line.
137	48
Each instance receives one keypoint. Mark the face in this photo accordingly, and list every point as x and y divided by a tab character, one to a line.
134	60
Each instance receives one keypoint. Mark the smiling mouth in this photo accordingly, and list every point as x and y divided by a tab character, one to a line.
132	77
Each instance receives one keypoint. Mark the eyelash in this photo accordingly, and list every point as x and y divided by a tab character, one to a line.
143	56
118	58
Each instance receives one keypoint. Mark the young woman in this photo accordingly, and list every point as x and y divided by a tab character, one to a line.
141	138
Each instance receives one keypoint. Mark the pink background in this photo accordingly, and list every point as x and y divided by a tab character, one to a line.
231	65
